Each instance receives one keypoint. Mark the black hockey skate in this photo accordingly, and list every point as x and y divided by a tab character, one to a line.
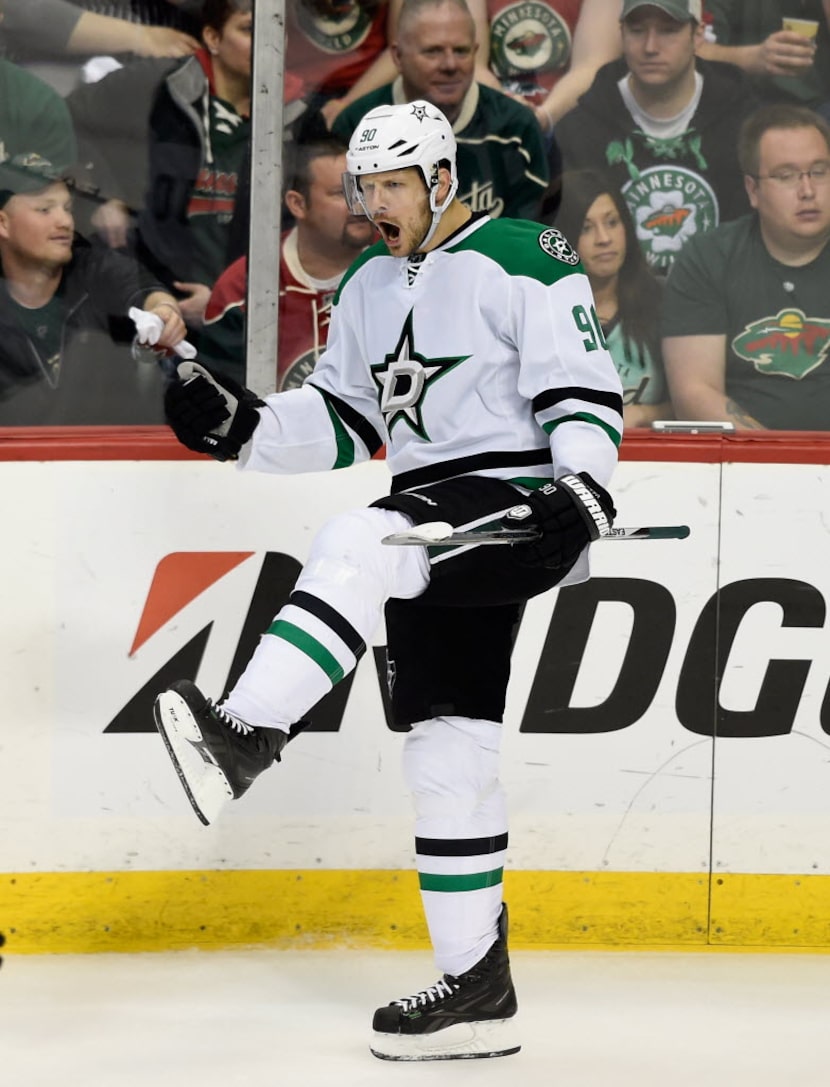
458	1017
217	758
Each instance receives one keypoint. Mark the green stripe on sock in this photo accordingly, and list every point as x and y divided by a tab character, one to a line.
308	645
472	881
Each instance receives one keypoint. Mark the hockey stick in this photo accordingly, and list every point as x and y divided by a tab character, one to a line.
441	533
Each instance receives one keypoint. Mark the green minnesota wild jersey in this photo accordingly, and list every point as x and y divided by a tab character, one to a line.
483	356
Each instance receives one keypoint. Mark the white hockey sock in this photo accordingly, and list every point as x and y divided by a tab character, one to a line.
319	635
451	766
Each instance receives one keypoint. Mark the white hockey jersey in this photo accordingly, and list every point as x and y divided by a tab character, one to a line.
484	356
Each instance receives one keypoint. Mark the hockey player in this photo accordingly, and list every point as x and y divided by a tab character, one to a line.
470	346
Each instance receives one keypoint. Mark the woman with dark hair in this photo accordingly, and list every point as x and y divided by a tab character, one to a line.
594	217
199	133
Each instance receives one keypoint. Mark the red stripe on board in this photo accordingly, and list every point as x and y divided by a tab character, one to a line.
745	447
92	443
159	443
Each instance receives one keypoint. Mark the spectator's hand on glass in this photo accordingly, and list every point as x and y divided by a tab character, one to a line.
785	53
112	222
193	306
164	41
174	328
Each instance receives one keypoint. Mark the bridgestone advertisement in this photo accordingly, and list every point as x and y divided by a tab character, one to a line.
671	715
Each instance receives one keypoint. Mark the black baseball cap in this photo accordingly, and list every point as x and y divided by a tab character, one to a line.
27	174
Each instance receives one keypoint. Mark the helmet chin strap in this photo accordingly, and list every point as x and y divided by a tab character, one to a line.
437	211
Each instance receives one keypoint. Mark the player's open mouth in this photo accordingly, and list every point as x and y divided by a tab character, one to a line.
389	232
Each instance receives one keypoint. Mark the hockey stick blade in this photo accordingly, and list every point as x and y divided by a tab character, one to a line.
441	533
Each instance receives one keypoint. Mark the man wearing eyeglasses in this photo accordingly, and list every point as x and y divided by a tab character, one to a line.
746	318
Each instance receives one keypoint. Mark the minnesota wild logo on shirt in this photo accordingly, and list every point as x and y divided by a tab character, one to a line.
404	378
669	204
790	343
336	27
528	37
298	370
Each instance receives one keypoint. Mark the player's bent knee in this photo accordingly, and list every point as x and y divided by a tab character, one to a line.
451	765
349	548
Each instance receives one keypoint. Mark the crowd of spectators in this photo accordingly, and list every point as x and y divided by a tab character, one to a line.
682	146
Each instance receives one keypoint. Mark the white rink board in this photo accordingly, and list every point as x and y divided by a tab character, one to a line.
82	547
772	794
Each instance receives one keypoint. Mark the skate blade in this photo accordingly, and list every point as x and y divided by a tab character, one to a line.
464	1041
206	786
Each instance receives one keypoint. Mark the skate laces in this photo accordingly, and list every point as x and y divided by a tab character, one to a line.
433	993
232	722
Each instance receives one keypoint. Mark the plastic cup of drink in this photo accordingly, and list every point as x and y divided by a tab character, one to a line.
807	28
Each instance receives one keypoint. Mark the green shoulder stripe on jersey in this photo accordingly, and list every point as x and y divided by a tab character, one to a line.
523	248
377	250
585	417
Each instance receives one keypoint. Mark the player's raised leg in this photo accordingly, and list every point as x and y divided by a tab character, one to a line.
216	756
316	639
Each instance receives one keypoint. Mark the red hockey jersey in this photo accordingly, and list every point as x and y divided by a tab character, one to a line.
304	315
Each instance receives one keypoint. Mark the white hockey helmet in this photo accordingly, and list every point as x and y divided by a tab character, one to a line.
395	137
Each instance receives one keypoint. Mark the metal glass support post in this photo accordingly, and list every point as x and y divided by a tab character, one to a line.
266	186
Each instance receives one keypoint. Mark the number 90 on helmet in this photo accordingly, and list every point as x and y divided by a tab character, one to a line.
398	136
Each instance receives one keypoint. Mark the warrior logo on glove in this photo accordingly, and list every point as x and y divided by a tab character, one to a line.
589	496
570	513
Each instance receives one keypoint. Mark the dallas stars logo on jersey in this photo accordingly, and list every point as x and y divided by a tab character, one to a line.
556	245
404	378
789	344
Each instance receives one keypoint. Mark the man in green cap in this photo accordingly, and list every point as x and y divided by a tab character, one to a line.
655	122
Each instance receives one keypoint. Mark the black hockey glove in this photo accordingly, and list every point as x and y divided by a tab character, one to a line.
209	412
569	513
